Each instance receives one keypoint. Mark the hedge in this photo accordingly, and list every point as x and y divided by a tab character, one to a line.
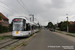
3	29
72	29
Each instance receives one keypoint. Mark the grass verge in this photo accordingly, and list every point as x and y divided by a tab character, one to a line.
70	35
39	30
59	32
5	37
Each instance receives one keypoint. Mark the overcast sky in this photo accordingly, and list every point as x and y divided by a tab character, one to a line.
44	10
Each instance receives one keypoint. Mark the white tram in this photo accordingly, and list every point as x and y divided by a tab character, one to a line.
22	27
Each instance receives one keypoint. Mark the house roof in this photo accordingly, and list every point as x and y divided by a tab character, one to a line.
72	22
3	16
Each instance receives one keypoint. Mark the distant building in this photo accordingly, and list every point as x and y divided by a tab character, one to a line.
4	21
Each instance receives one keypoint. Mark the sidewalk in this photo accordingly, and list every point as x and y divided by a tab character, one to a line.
66	33
8	33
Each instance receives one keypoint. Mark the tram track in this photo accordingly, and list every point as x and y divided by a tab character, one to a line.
7	43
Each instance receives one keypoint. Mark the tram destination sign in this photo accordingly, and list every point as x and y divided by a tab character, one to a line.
17	20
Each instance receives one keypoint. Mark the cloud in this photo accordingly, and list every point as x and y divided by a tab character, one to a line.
43	10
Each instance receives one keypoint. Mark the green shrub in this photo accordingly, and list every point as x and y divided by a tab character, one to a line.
3	29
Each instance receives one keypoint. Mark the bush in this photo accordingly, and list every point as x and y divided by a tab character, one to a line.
72	29
63	26
3	29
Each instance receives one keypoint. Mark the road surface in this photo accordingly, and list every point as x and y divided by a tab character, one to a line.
46	40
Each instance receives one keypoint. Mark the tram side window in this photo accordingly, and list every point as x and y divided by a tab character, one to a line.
27	27
35	27
24	24
32	27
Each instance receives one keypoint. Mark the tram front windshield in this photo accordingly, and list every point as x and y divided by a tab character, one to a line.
17	26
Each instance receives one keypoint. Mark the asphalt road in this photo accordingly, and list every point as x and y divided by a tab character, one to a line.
46	40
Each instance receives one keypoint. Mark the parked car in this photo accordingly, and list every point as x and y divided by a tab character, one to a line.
52	29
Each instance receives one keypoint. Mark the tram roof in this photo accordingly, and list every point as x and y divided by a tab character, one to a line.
27	21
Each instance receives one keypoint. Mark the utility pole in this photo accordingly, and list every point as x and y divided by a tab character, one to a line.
30	19
32	16
67	23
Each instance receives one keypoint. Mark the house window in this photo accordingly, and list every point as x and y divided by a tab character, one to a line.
5	21
0	23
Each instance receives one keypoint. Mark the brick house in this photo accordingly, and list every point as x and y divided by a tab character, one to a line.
72	22
4	21
72	29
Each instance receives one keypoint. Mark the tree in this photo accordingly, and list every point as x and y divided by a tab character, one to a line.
55	26
50	25
63	25
0	17
59	24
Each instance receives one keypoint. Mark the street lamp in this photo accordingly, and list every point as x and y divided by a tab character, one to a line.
67	23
